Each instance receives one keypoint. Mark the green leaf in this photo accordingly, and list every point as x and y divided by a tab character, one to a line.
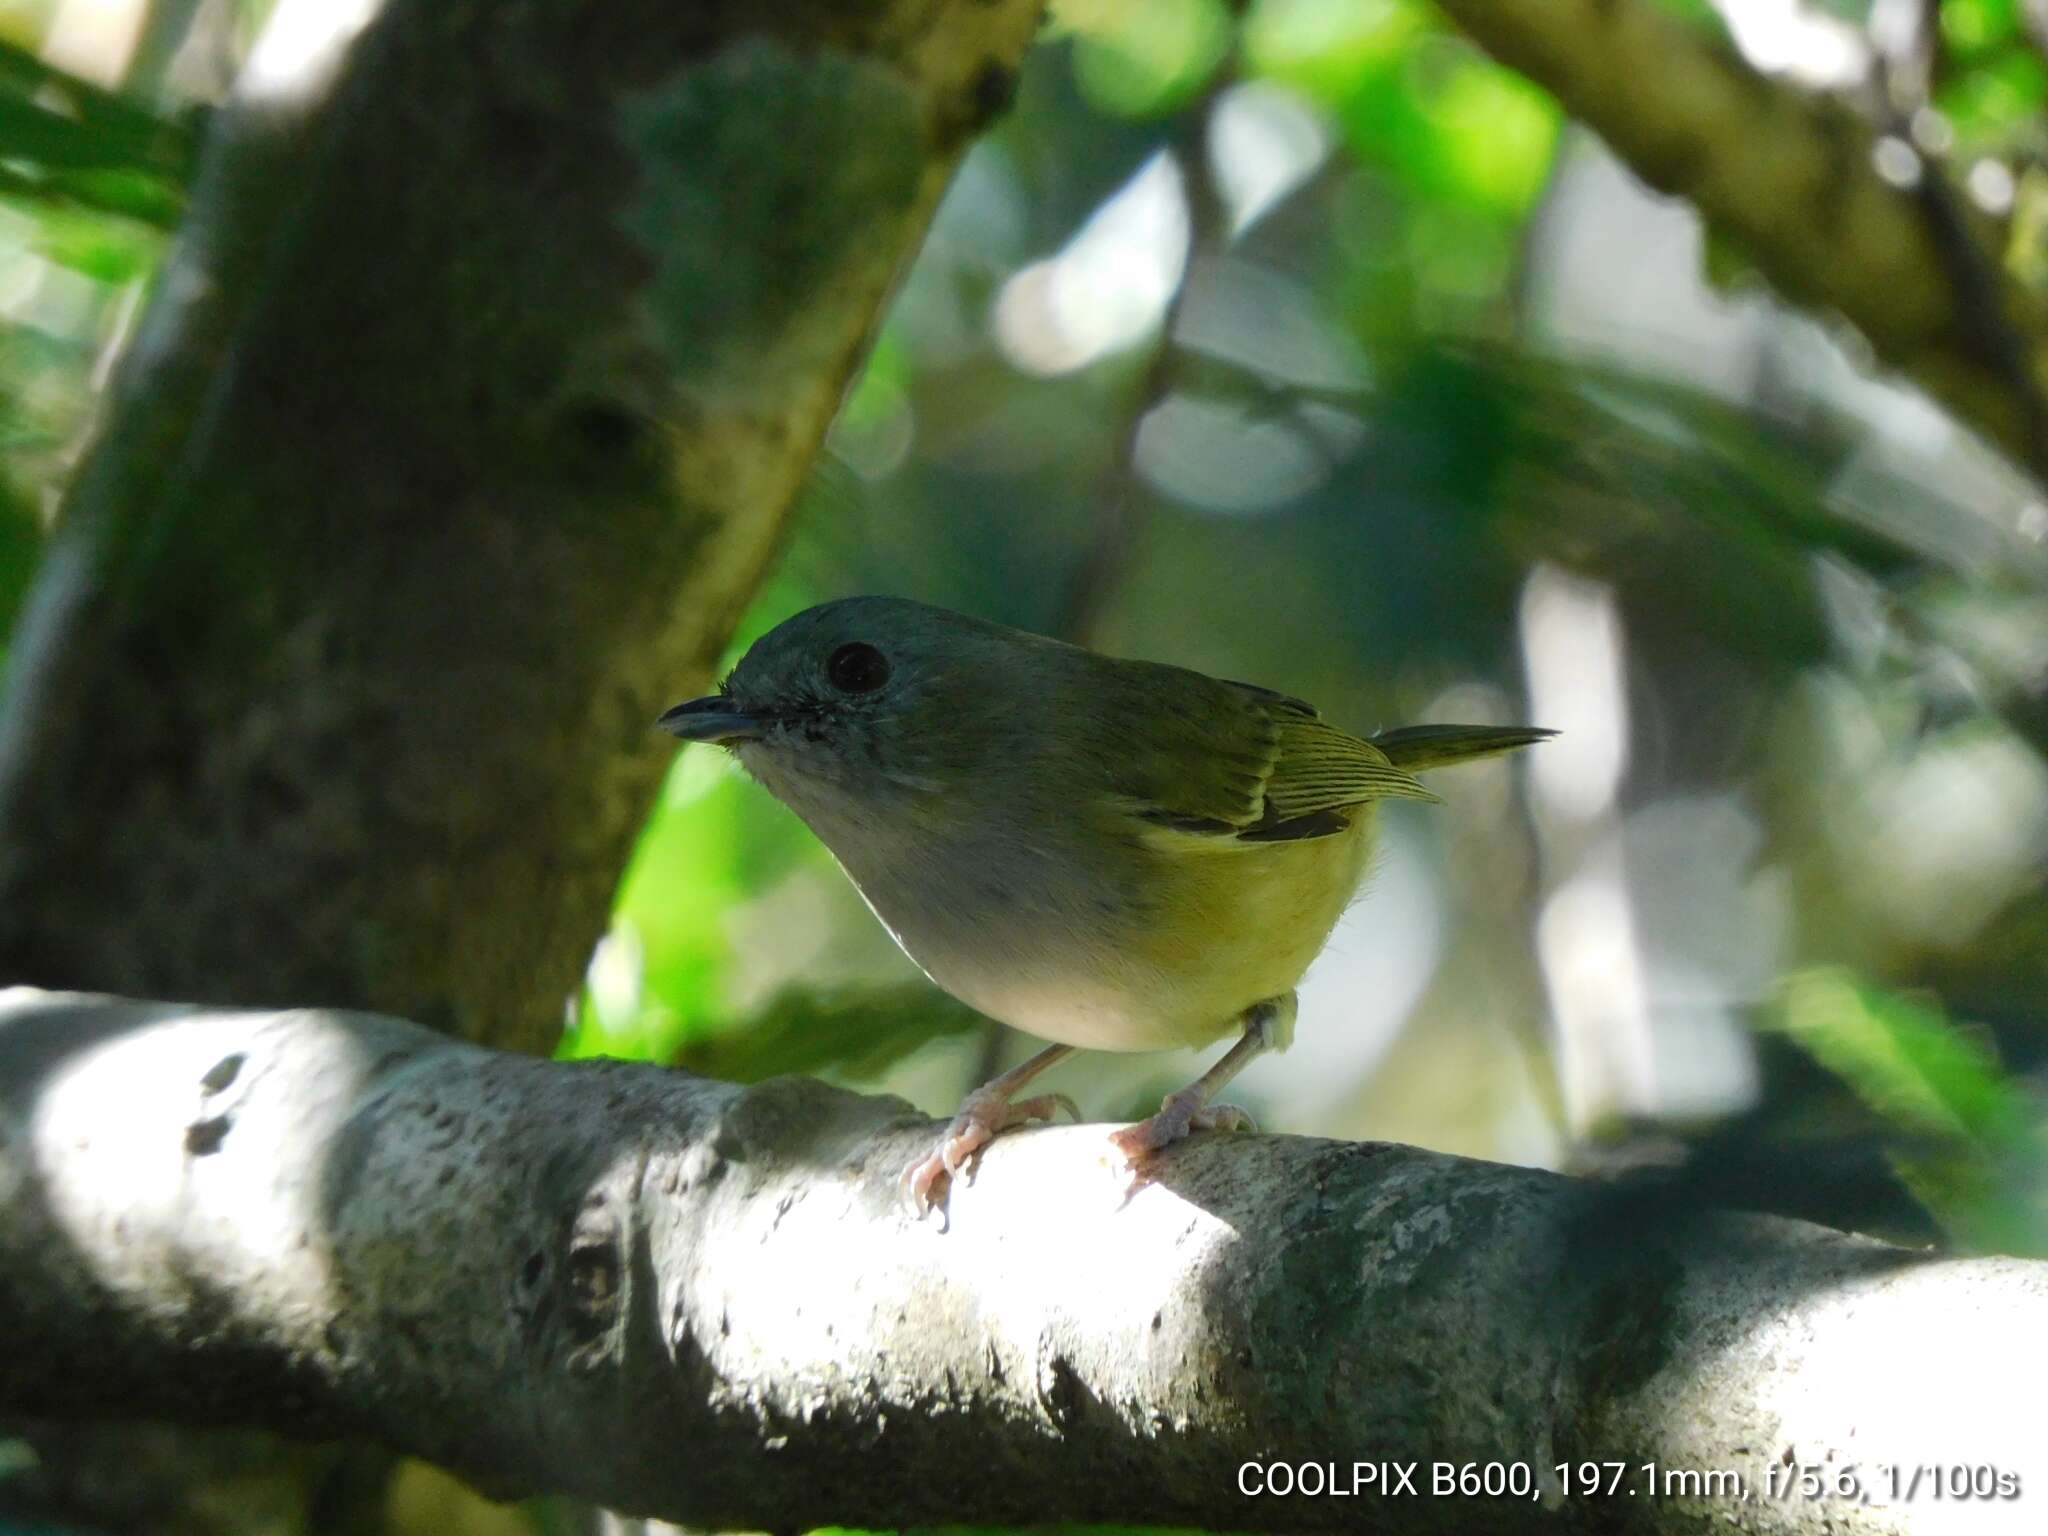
1498	134
1414	98
66	140
660	979
1150	57
1997	99
1969	1150
858	1031
110	251
1971	26
1325	48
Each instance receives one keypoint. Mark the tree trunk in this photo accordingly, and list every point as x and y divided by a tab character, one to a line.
498	343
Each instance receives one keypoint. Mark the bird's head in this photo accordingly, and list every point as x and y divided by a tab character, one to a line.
866	698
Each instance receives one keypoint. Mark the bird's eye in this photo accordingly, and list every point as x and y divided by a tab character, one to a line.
857	668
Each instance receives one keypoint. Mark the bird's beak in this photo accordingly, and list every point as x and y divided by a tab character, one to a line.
713	719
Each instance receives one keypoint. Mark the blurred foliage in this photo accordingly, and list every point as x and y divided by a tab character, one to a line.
90	181
1144	58
860	1032
1993	81
70	143
29	420
1969	1136
1464	147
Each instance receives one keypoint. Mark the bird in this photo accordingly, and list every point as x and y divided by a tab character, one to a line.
1108	854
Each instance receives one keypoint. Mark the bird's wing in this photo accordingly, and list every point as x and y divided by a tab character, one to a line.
1322	768
1244	763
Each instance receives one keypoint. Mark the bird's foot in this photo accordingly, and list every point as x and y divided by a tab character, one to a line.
1180	1113
983	1117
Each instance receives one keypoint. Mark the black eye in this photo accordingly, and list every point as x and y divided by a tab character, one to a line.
857	668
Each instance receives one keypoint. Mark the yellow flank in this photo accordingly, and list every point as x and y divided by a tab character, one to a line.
1227	924
1244	922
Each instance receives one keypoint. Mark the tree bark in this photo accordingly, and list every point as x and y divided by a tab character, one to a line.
1792	176
499	340
684	1298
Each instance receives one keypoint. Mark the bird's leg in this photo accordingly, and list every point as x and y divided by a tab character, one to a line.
1268	1026
984	1115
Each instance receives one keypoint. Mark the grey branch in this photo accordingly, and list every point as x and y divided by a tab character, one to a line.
684	1298
1791	176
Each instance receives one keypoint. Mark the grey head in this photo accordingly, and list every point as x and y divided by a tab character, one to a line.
858	705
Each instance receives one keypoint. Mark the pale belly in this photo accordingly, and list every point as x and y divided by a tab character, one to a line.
1169	953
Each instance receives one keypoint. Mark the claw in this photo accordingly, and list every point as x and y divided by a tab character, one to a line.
1178	1115
1267	1027
983	1117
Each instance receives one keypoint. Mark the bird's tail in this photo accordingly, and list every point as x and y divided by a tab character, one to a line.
1418	748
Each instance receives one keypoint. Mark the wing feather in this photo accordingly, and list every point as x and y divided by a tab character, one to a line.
1321	768
1243	764
1439	746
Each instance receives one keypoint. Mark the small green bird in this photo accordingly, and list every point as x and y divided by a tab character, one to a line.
1113	855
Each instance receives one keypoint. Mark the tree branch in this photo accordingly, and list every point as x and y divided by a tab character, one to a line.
1791	176
679	1297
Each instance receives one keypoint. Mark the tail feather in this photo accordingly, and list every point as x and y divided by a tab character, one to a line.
1417	748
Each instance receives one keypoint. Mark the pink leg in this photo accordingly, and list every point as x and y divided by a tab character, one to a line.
1267	1026
984	1115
